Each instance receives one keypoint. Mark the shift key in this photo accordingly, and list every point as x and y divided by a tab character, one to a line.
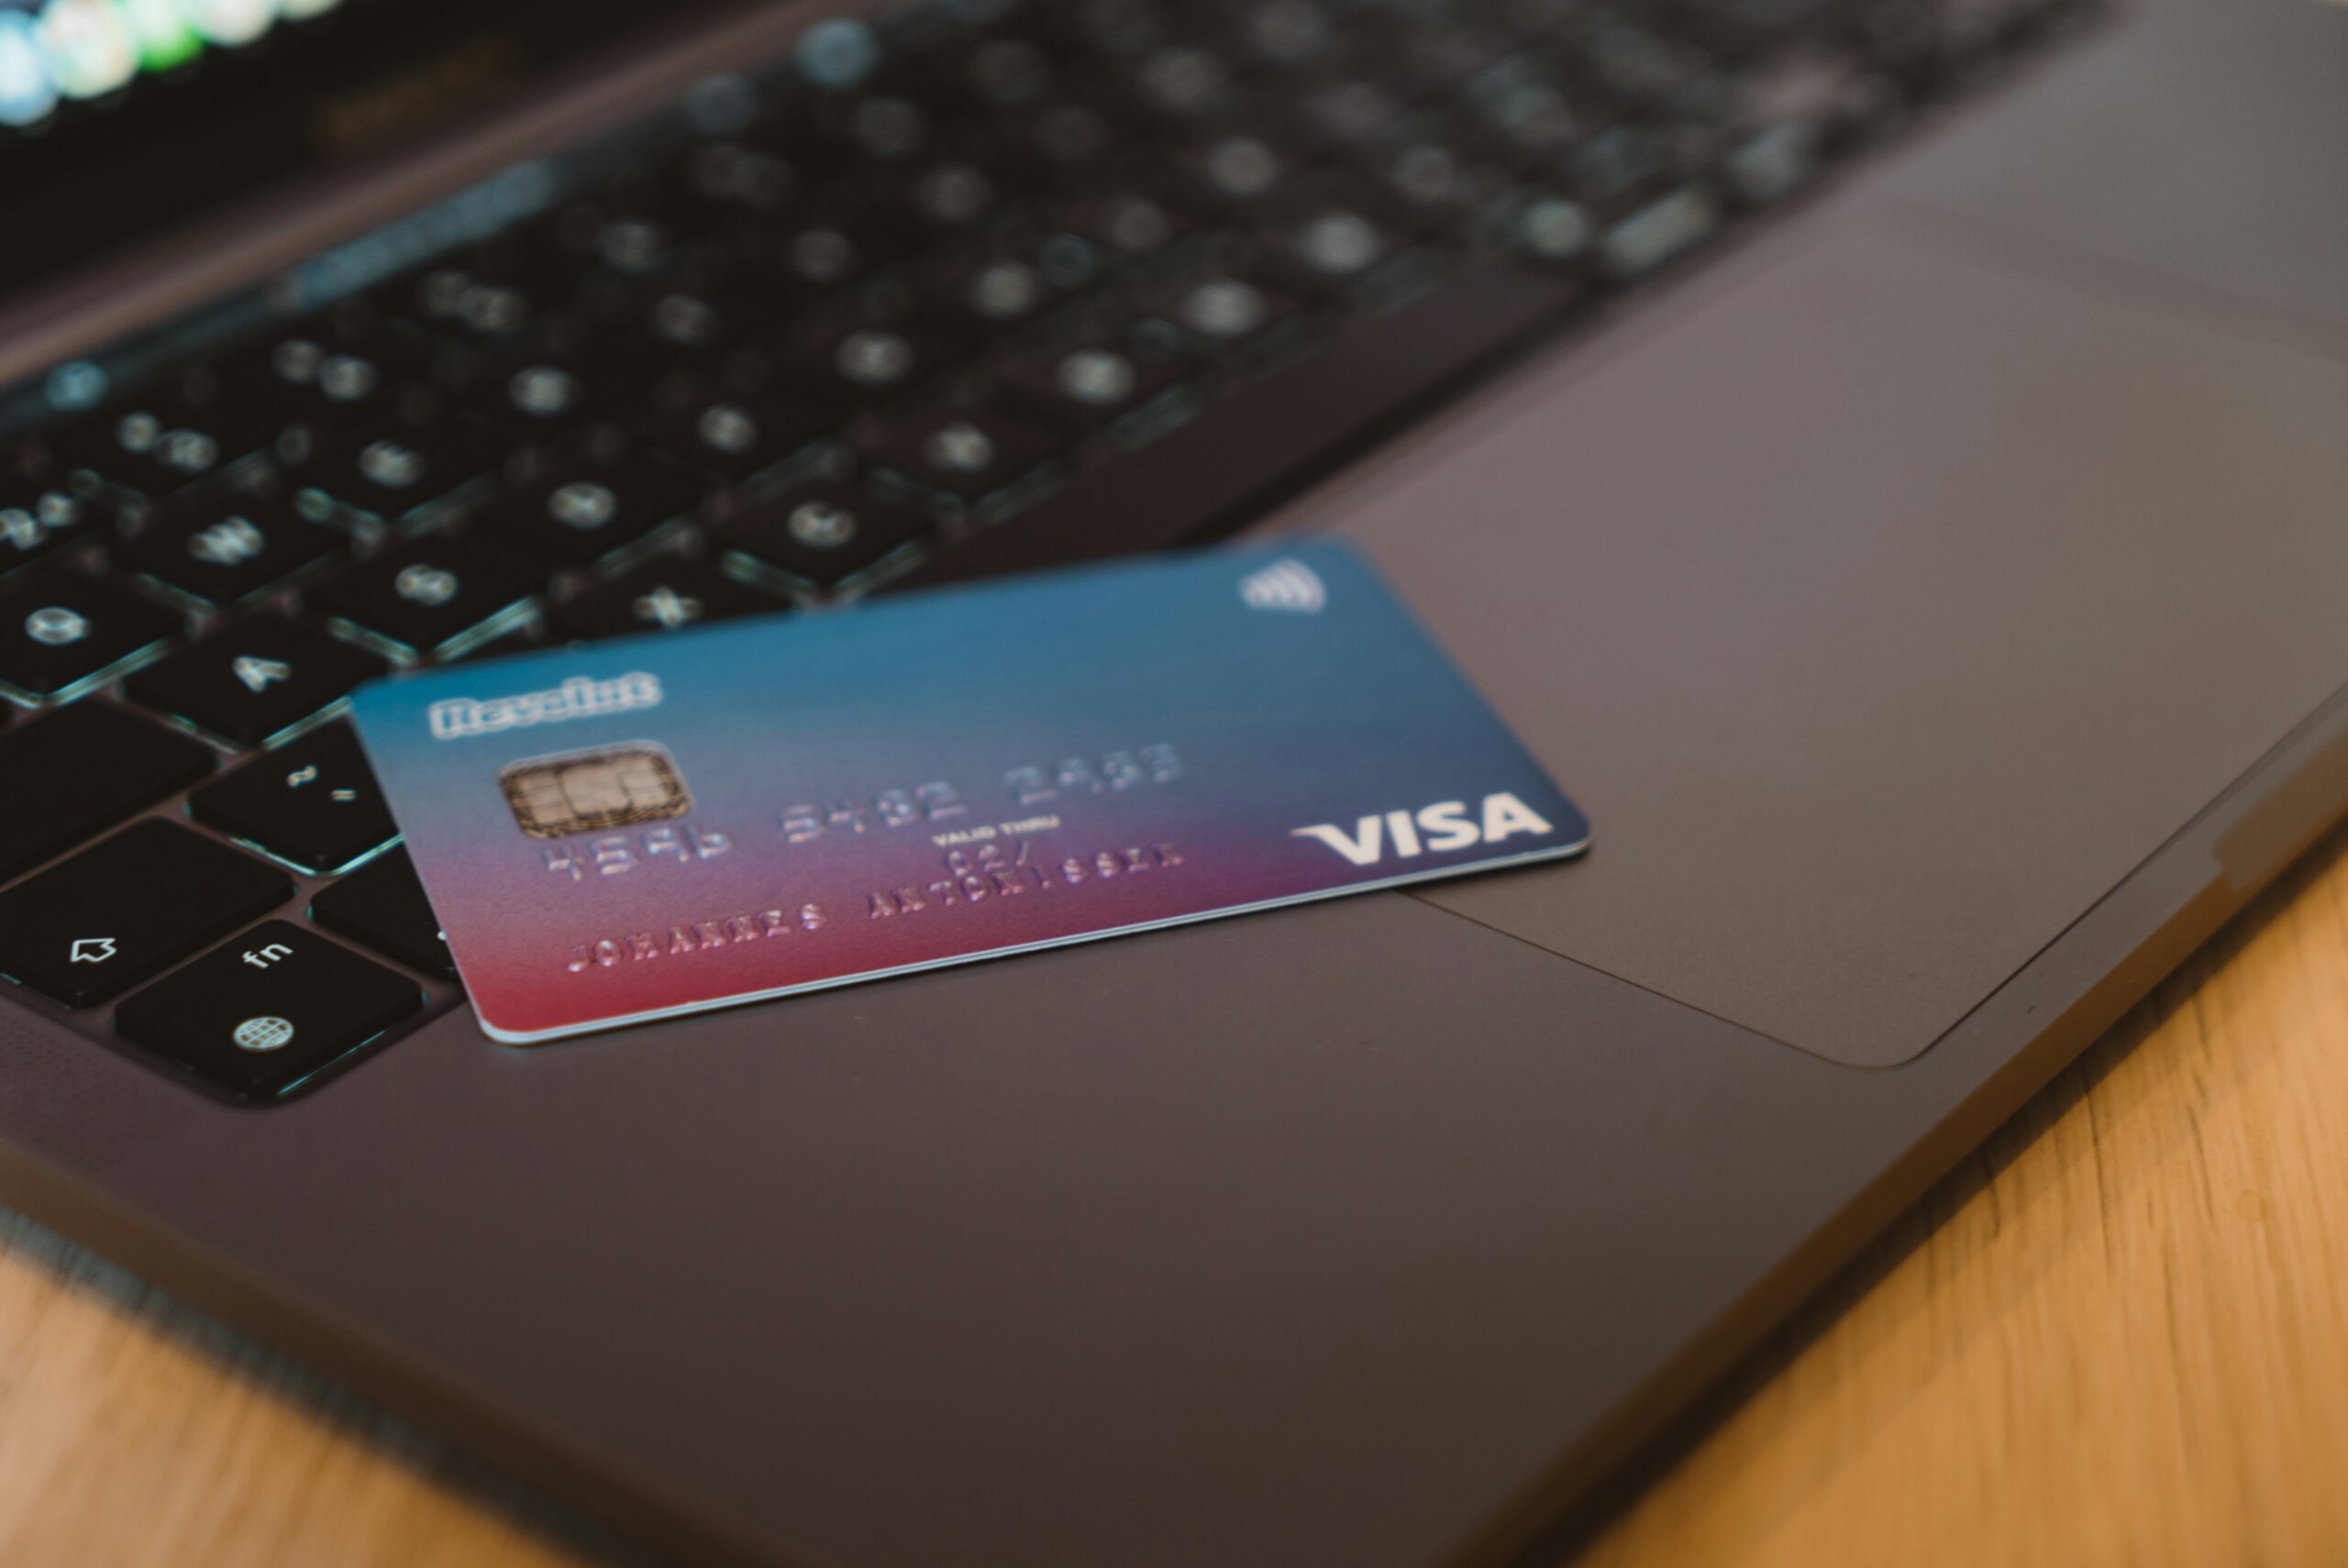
93	926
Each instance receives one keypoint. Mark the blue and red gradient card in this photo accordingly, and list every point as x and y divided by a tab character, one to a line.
640	829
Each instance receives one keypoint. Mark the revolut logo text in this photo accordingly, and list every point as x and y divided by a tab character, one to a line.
577	698
1445	826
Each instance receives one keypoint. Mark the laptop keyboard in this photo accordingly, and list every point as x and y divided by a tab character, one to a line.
988	287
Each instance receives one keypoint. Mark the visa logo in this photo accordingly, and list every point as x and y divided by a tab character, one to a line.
1445	826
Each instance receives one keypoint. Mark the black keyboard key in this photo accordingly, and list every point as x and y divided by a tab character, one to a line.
636	238
429	592
1636	66
663	595
1328	241
324	372
268	1011
489	297
228	547
37	522
964	452
825	250
734	439
1223	311
1659	233
576	514
1549	229
1122	221
1620	166
691	328
965	191
822	534
1232	168
67	775
1774	161
865	362
95	925
61	631
1524	109
166	441
986	293
1337	116
857	130
642	224
1061	136
253	679
1091	382
383	905
727	181
1434	171
536	392
871	363
313	802
1288	33
395	470
1180	79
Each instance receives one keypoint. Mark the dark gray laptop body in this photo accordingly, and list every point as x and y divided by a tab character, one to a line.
1935	603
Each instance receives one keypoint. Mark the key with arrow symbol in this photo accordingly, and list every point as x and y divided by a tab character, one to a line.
158	890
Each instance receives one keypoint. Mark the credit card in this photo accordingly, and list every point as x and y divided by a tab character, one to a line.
639	829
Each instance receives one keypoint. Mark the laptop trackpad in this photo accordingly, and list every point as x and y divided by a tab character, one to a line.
1884	606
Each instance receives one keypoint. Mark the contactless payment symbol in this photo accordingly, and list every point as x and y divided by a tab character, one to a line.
593	791
1286	587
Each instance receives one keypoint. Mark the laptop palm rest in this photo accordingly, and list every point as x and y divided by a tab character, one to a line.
1887	603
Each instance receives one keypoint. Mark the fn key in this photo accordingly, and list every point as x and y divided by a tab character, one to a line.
267	1012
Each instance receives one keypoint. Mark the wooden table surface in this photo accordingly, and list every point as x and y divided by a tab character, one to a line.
2118	1334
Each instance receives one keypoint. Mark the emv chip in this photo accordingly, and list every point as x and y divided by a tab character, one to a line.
591	791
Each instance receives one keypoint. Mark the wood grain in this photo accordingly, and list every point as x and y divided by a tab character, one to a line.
2118	1334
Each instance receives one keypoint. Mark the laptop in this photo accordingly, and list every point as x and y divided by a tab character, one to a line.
1889	458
